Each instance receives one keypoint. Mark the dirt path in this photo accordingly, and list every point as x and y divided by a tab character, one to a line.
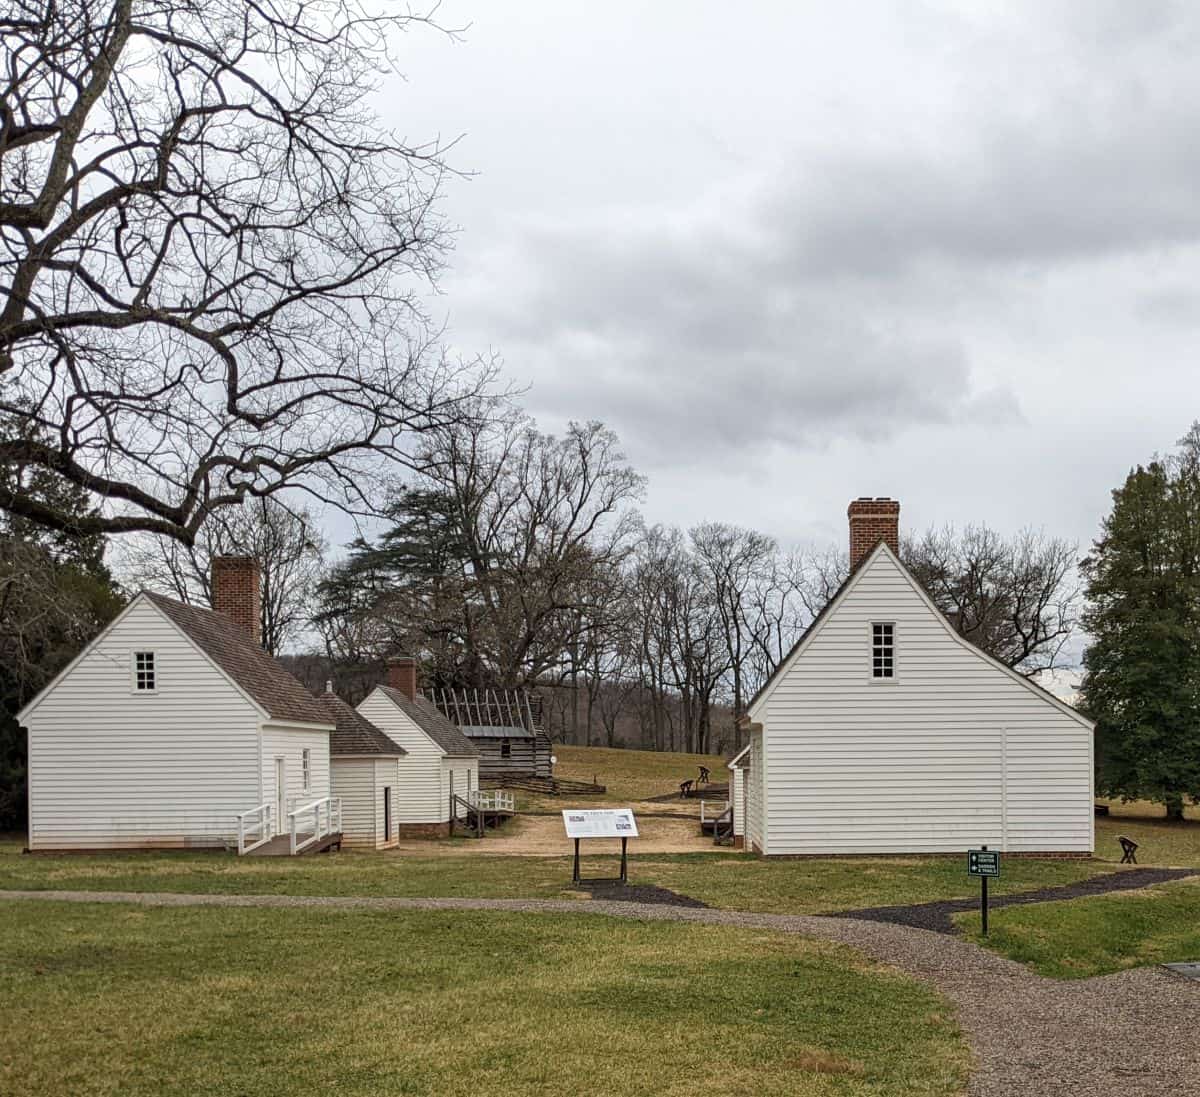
542	835
1125	1035
937	915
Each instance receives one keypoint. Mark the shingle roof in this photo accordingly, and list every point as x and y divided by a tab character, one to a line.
426	716
353	733
256	672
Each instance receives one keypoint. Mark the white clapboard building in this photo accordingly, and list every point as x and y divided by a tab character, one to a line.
440	772
884	731
175	729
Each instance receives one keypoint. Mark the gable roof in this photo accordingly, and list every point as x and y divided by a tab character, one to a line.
426	716
247	665
353	733
848	583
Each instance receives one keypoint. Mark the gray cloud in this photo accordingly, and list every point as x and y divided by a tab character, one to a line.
958	248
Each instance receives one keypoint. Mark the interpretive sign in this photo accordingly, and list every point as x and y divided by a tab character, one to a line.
983	862
599	823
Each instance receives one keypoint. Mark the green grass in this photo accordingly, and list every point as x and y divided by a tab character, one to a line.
109	1000
631	775
1084	937
721	880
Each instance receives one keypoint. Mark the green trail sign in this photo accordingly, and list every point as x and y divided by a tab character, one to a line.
983	862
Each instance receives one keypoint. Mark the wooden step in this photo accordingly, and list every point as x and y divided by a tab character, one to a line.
281	846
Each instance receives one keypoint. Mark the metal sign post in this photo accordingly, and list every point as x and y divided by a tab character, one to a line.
985	864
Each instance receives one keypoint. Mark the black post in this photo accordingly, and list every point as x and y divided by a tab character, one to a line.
575	875
983	901
624	842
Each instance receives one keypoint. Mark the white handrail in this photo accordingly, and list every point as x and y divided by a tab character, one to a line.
262	827
495	800
330	807
724	808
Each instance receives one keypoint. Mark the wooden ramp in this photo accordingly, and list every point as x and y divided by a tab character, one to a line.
281	846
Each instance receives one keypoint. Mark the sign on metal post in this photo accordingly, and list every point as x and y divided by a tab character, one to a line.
600	823
985	864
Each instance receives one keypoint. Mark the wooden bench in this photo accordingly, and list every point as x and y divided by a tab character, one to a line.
1128	849
685	789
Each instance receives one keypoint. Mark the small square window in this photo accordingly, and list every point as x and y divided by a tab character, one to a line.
505	748
306	768
144	680
883	650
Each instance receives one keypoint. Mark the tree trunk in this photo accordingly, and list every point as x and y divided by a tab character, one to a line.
1174	808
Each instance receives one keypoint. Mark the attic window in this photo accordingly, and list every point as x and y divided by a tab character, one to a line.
143	672
883	650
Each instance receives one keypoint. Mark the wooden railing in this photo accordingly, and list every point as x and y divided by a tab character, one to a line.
710	817
468	810
325	816
257	821
494	800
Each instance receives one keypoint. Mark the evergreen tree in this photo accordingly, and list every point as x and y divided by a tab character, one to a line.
56	594
1142	682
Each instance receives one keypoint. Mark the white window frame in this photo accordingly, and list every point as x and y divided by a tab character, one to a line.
306	768
134	687
871	675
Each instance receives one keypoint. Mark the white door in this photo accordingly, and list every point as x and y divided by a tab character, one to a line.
280	796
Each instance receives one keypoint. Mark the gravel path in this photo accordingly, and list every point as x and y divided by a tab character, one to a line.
1127	1035
936	916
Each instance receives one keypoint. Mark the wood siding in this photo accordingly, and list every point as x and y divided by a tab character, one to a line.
951	753
466	780
110	768
360	783
754	791
418	797
737	798
289	743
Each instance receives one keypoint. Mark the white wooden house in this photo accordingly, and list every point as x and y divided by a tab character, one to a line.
365	767
440	766
172	723
884	731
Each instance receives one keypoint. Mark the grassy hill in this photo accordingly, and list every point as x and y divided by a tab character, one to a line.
635	774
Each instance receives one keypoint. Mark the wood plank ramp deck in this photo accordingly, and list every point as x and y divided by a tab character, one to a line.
281	846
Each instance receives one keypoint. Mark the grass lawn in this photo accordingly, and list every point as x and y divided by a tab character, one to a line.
721	880
631	775
1086	937
132	1001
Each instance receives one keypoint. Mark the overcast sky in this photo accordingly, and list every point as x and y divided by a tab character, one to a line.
797	252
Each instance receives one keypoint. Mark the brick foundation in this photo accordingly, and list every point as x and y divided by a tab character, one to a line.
423	830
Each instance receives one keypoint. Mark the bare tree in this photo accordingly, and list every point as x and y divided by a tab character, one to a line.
211	253
1017	599
286	544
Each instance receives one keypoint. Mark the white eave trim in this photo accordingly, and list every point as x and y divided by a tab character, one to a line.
736	761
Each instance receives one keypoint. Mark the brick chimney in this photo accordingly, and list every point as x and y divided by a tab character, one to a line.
236	592
402	675
872	521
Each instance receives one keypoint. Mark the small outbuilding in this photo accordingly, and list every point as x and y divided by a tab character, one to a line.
364	775
504	725
737	792
439	772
